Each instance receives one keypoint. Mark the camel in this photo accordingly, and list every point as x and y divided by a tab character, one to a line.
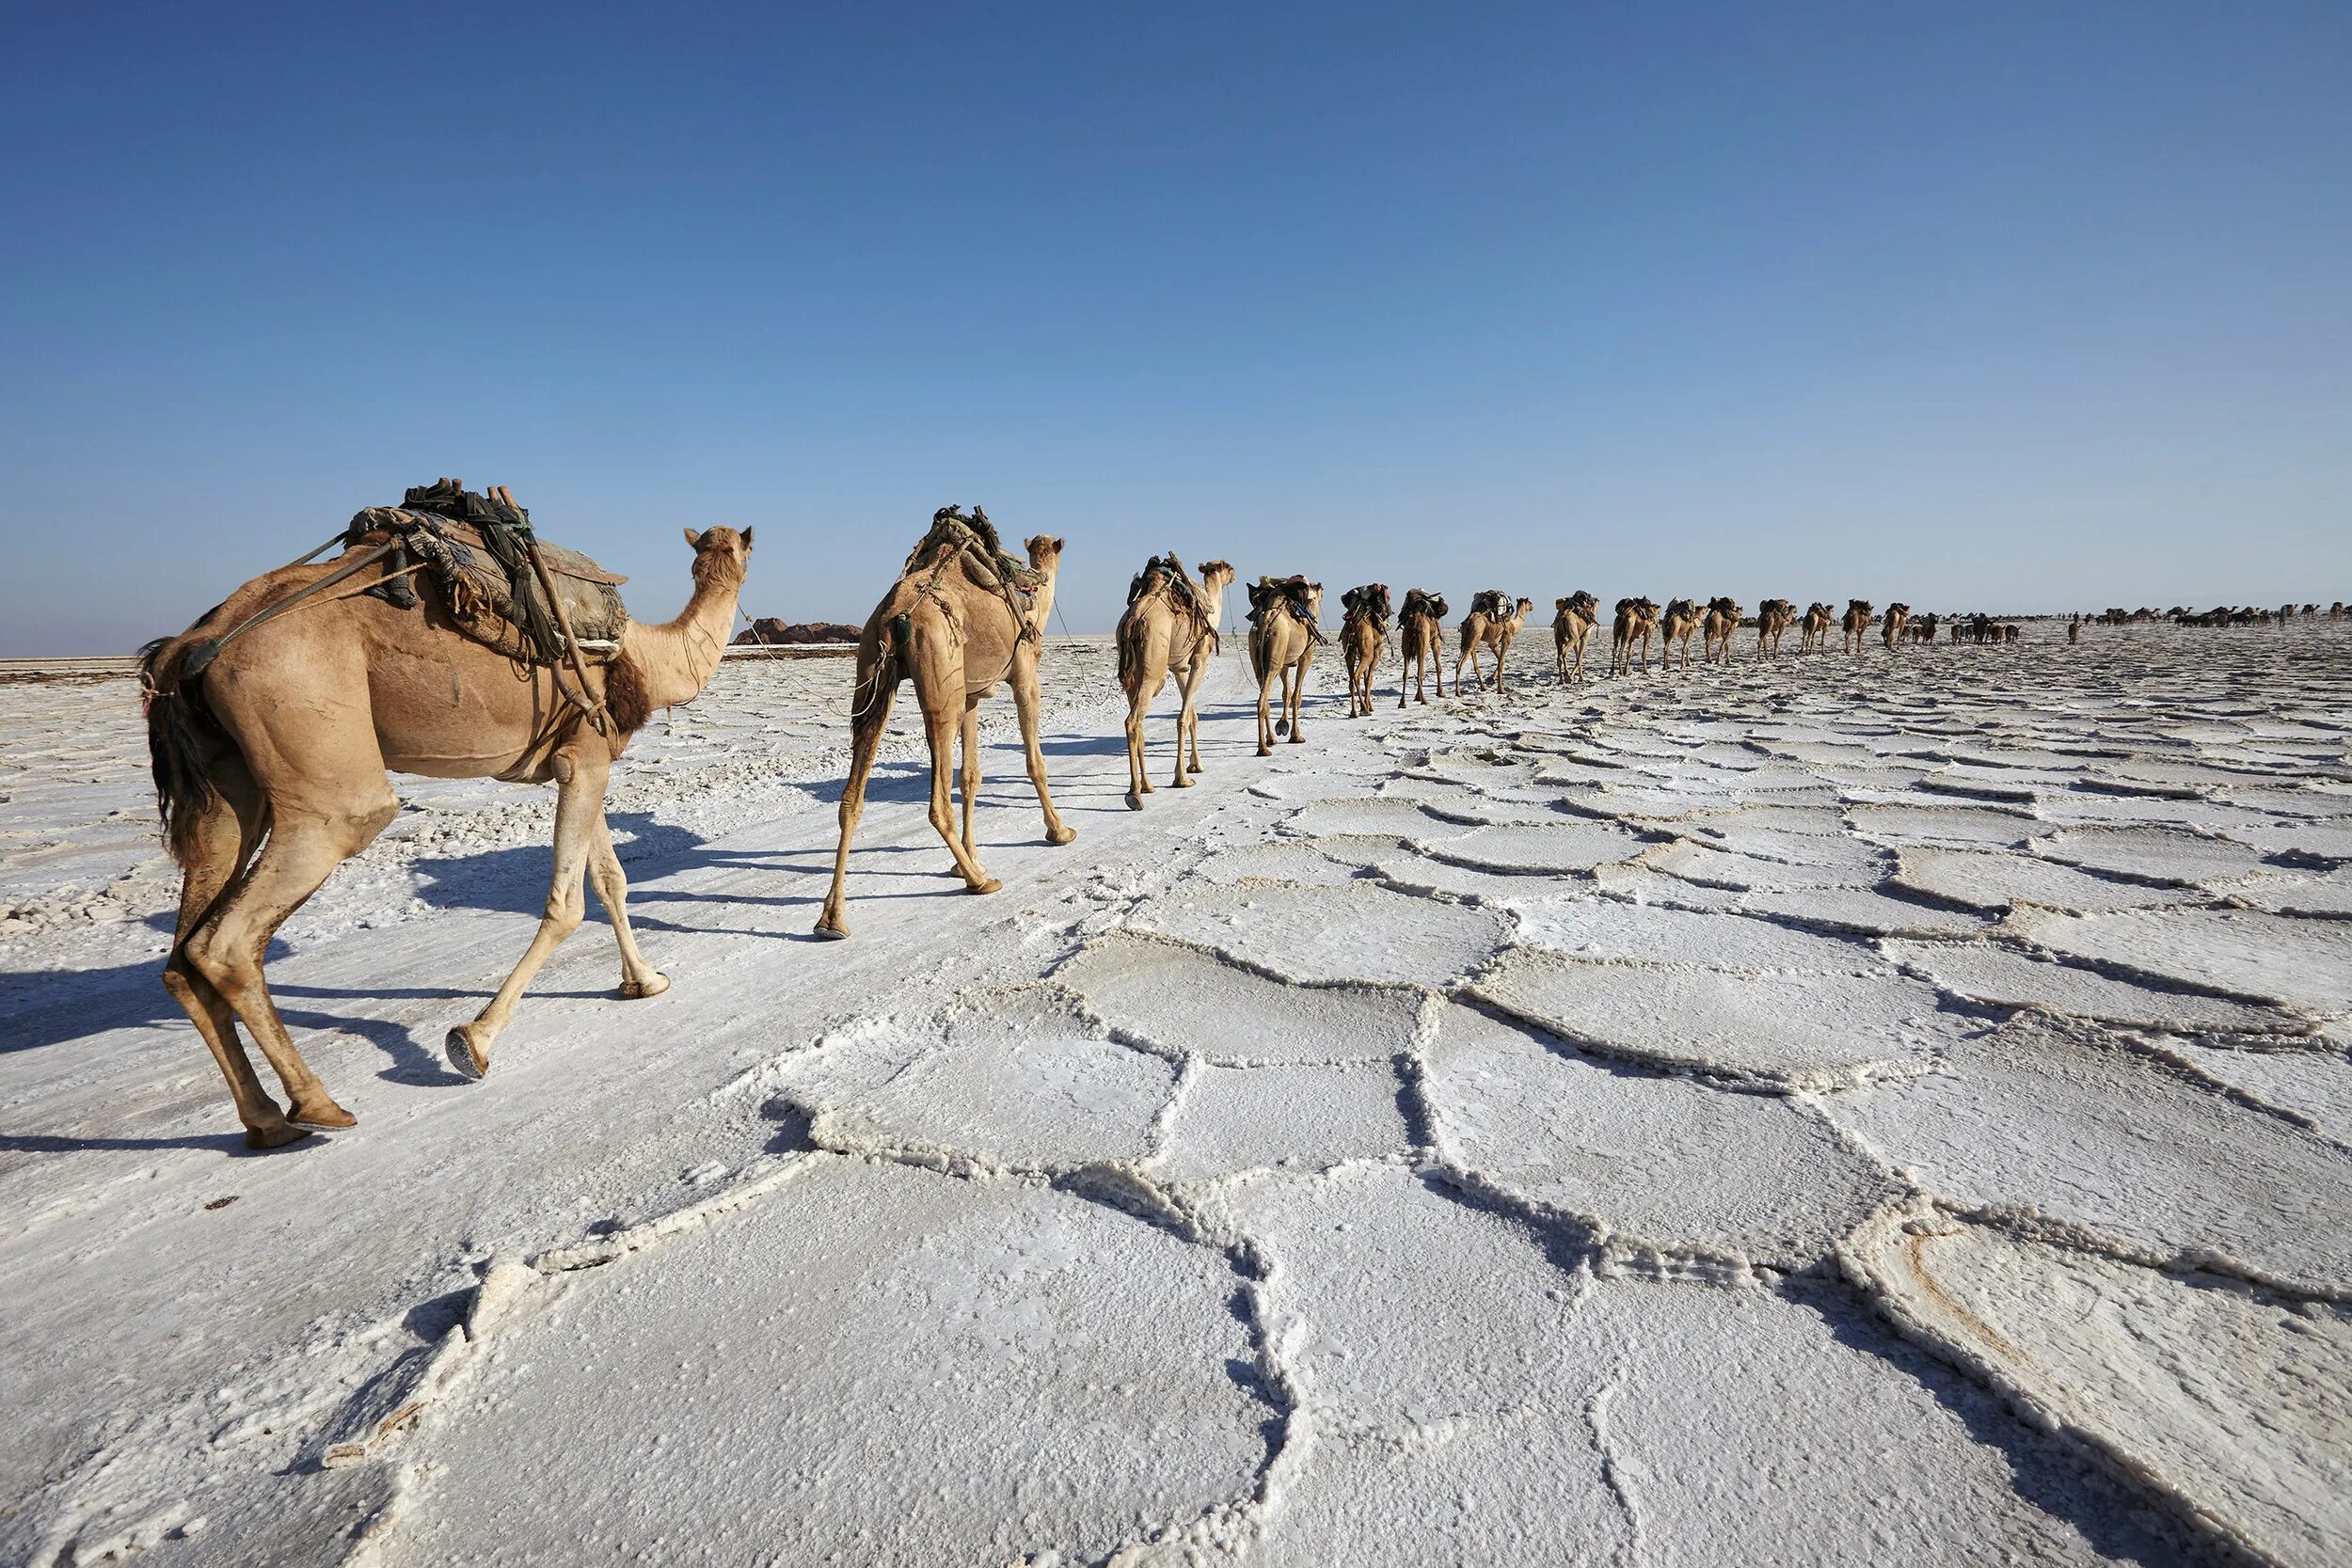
1858	619
1363	637
1923	629
1817	620
1489	623
1572	628
1895	627
1680	620
1169	628
955	624
1282	639
1773	618
1421	632
1637	620
270	769
1722	618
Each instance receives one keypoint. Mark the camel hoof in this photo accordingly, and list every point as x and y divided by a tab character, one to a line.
1181	781
1281	728
637	990
327	1116
1135	802
274	1138
832	931
1296	738
469	1059
1061	835
989	886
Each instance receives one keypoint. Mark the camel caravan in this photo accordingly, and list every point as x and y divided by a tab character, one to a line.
445	638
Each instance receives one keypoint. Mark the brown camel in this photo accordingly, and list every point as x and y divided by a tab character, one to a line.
1819	618
270	769
1493	621
1572	628
1680	621
1637	621
1858	621
1894	630
1722	618
956	621
1282	639
1169	628
1363	637
1420	638
1773	618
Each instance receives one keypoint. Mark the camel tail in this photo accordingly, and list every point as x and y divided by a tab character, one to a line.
875	686
181	736
1131	635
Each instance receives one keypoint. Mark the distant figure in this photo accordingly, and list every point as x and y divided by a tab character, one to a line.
2075	630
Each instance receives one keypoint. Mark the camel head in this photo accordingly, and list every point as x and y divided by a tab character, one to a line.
1314	601
1215	574
721	555
1044	552
1524	606
1561	606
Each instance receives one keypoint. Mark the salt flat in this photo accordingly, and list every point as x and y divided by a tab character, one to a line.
1844	1110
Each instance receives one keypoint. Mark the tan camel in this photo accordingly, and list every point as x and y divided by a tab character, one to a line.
1363	637
1282	639
1637	621
1680	621
1819	618
1858	620
270	770
1494	620
1773	618
1420	638
954	624
1722	619
1895	628
1572	628
1169	628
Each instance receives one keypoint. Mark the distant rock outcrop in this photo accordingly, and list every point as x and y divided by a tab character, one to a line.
768	629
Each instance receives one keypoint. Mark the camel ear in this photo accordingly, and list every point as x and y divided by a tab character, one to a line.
693	540
747	539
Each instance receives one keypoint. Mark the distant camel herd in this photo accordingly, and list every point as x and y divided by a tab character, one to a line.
429	647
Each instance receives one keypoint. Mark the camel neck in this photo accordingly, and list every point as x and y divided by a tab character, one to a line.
677	657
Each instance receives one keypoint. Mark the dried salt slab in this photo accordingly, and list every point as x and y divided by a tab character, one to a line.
1553	850
1639	884
2305	964
1179	998
2222	1401
1851	857
2313	1083
2327	896
1021	1080
2069	1122
1824	820
940	1371
2330	842
1358	932
1231	1119
2004	978
1402	1305
1974	825
1984	882
1411	870
1862	909
2166	853
1618	930
1468	804
1392	818
1799	1031
1719	868
1657	1162
1278	860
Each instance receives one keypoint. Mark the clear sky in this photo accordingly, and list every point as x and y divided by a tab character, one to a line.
2023	307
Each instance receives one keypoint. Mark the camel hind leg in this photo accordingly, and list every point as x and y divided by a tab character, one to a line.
1138	784
639	980
1188	721
865	739
939	689
221	844
971	748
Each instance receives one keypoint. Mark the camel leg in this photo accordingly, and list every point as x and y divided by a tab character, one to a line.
1137	784
1265	719
227	950
1187	724
1294	695
940	693
579	805
971	742
864	742
1025	705
639	980
221	844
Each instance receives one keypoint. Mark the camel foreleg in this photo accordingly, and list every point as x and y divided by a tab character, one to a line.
865	739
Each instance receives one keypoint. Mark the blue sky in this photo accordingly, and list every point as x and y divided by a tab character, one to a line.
2011	307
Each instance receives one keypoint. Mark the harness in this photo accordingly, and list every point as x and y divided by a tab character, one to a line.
972	541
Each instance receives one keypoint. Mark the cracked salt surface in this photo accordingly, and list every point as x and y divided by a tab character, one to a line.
1682	1119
